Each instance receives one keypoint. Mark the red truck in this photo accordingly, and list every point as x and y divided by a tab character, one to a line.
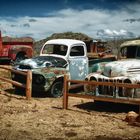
12	49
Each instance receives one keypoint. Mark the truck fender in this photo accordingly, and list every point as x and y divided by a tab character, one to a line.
25	50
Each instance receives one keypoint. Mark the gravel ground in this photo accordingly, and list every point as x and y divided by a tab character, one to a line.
44	118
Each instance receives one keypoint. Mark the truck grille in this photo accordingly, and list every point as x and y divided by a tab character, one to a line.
107	90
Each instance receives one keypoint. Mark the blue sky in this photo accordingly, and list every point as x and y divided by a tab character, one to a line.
96	18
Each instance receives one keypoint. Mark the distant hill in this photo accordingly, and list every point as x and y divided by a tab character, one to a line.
21	39
112	44
66	35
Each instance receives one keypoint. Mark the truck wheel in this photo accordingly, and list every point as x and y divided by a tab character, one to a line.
57	89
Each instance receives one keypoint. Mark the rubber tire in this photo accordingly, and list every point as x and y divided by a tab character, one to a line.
56	89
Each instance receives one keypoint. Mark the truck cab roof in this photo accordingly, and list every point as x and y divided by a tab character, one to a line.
130	43
130	49
67	42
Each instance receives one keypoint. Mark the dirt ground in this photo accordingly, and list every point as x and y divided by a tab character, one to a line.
44	118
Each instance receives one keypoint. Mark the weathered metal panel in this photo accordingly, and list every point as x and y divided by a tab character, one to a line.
78	68
121	71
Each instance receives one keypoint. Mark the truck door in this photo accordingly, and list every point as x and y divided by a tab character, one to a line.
78	62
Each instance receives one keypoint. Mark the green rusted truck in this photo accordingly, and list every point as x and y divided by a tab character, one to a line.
57	58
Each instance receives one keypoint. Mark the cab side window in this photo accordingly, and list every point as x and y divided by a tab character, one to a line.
77	51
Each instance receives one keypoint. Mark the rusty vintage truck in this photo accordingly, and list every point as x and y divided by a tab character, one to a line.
125	70
57	58
15	49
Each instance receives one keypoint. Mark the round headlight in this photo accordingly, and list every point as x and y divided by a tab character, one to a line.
39	79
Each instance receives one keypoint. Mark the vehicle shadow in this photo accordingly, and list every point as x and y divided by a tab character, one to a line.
21	92
100	106
108	107
103	106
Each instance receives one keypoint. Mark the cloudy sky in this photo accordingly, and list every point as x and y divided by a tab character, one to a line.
96	18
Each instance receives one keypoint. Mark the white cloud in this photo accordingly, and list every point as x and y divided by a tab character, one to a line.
107	33
94	22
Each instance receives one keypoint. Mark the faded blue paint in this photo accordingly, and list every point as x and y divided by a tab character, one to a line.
78	68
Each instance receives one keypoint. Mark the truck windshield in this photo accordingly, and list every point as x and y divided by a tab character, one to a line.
55	49
130	51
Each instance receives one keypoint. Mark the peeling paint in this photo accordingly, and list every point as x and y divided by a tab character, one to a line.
121	71
52	65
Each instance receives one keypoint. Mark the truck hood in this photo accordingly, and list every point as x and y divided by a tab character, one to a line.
41	62
122	68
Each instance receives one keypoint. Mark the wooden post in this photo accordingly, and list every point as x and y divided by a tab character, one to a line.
65	96
29	85
139	110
